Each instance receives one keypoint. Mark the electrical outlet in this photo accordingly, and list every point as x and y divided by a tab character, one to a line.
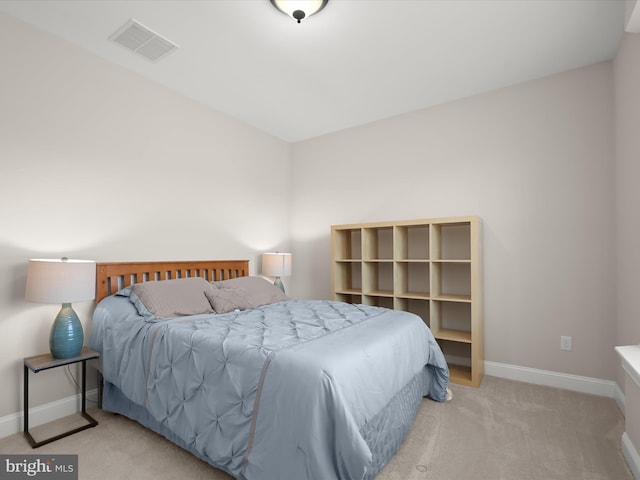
565	343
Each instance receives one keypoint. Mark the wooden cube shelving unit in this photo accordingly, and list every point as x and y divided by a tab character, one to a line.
430	267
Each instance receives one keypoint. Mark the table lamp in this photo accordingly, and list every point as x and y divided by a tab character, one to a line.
276	265
62	281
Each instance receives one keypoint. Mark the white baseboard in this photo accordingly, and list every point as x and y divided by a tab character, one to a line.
631	455
594	386
46	413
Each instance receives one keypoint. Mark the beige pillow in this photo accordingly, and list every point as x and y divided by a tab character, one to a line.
225	300
172	298
259	291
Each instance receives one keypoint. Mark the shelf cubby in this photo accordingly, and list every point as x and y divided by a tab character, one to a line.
458	355
451	241
416	306
378	278
411	242
452	320
348	277
347	244
377	243
452	279
411	279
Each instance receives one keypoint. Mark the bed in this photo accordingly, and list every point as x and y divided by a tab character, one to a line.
256	384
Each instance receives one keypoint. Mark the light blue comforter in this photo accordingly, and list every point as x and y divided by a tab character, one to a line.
284	391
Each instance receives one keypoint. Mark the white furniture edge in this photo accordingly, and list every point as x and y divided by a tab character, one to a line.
46	413
631	455
630	357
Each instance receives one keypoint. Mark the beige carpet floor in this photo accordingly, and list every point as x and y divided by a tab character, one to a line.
503	430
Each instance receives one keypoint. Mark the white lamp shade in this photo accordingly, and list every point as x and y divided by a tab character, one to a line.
60	280
276	264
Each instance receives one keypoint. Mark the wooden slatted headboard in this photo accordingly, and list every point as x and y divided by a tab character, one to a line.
111	276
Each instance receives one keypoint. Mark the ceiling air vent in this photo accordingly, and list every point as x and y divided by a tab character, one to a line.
142	40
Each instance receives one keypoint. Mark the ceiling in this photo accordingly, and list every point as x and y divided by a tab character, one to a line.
355	62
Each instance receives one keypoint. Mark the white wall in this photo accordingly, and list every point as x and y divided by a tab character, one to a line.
98	163
627	107
535	162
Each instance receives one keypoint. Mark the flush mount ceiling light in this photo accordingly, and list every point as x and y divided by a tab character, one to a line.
299	9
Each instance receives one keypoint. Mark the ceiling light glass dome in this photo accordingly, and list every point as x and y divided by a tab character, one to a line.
299	9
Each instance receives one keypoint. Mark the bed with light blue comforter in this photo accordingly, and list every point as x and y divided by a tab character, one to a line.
298	389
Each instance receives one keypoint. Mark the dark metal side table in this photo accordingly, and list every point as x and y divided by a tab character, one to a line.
46	361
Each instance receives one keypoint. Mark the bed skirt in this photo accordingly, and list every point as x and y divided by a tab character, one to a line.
383	434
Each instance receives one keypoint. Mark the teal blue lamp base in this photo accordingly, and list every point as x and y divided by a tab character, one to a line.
278	283
66	338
